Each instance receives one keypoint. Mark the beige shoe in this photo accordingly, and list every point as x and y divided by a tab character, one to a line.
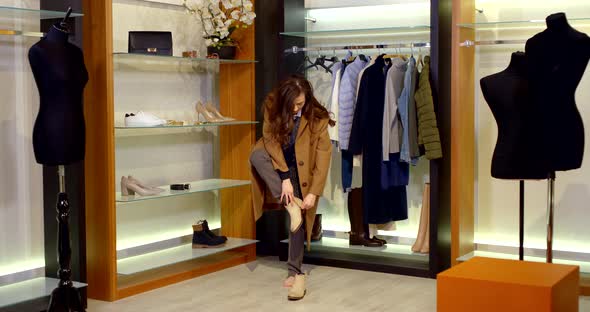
216	113
294	209
297	291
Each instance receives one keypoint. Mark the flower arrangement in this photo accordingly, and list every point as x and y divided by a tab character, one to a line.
220	18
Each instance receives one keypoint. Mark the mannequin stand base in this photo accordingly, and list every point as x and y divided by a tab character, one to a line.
65	299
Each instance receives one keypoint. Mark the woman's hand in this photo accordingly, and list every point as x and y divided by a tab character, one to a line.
309	201
287	193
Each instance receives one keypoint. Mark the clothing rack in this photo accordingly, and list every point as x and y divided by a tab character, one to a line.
296	49
470	43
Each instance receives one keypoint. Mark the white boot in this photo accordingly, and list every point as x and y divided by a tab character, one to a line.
297	291
294	209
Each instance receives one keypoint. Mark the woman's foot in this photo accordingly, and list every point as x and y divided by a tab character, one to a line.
297	291
288	283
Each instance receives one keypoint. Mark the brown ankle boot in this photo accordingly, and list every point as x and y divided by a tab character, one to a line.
316	232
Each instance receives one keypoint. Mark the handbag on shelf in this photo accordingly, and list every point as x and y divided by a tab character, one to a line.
150	42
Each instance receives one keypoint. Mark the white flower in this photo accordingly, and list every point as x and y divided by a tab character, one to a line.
227	4
235	15
215	40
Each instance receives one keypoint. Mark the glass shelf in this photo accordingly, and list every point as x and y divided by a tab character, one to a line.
20	13
11	14
203	125
30	290
175	255
530	24
174	59
196	187
369	32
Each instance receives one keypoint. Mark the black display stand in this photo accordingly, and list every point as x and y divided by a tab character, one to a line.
64	298
521	221
550	214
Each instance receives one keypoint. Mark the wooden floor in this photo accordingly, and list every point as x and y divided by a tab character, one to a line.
258	287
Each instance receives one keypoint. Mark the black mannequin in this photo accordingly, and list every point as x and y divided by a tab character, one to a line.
557	59
60	74
518	153
59	137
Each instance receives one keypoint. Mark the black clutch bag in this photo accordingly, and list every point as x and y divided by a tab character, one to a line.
150	42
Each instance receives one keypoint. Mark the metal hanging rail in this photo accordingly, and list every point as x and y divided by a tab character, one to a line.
469	43
296	49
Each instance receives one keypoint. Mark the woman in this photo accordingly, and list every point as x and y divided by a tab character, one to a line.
291	161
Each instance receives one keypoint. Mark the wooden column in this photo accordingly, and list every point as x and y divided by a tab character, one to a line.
462	132
237	85
100	151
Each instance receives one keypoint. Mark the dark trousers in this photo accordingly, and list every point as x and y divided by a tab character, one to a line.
262	162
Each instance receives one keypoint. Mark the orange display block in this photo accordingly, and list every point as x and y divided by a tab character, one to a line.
486	284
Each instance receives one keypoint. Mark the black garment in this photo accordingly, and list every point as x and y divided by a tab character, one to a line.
60	74
289	154
519	148
557	59
380	206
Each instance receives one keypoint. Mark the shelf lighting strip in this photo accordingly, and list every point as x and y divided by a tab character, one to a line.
296	49
470	43
8	32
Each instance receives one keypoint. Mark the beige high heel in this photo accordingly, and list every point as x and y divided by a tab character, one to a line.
294	210
133	180
216	113
128	188
209	117
297	291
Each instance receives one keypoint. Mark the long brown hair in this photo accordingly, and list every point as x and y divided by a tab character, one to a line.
279	106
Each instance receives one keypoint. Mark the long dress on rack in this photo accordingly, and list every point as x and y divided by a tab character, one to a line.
380	206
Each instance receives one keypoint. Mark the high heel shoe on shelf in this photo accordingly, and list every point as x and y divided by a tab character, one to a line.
133	186
216	113
209	117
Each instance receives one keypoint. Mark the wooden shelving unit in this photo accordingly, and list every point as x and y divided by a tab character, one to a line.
236	85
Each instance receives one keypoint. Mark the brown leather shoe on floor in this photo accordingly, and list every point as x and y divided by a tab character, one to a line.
297	291
359	240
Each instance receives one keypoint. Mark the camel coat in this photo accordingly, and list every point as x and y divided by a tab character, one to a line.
313	151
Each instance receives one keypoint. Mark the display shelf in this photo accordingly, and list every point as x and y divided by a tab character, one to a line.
159	129
175	255
530	24
196	187
584	266
119	56
390	250
368	32
22	13
30	290
11	14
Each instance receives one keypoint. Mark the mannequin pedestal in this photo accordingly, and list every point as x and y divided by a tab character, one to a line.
64	298
550	214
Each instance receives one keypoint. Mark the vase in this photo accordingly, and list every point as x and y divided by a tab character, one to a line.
224	52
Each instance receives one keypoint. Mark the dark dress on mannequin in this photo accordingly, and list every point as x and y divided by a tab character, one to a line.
518	153
60	74
557	59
